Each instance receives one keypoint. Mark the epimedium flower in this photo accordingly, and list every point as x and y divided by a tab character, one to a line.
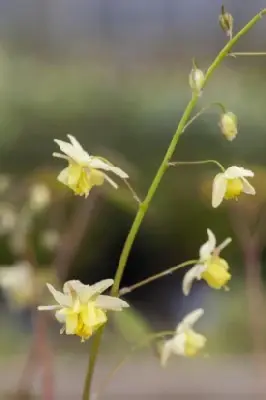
186	342
82	308
230	184
84	171
211	267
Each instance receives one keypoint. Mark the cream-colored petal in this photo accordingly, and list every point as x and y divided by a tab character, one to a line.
178	344
190	320
247	187
207	248
61	298
63	176
110	181
61	317
75	143
59	155
97	163
73	285
48	308
166	352
218	189
110	303
224	244
101	286
192	274
77	154
237	172
71	321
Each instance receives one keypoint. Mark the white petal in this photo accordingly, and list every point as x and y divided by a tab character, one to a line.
75	285
101	286
110	181
59	155
110	303
178	344
62	299
192	274
237	172
190	320
47	308
61	317
166	352
208	247
218	189
71	321
224	244
97	163
77	154
247	187
63	176
75	143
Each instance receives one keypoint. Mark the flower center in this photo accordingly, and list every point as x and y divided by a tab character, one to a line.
194	342
234	188
216	274
82	330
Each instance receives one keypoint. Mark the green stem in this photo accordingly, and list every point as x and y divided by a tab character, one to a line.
220	105
177	163
143	343
143	207
92	361
247	53
152	278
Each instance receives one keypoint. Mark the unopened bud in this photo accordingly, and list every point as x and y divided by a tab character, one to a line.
228	125
196	79
226	21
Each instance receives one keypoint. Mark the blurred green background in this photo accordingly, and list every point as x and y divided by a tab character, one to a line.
115	75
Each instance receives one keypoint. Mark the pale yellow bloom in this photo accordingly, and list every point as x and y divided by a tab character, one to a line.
81	308
230	184
39	197
211	267
84	171
186	342
17	283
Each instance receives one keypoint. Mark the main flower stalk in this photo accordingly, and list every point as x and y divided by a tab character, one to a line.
144	206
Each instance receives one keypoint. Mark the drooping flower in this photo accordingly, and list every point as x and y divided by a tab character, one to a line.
186	342
82	308
211	267
84	171
228	125
230	184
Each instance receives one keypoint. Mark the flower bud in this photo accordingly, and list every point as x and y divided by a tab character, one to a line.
226	21
228	125
196	79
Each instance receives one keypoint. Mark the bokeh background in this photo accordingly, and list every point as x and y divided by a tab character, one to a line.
114	73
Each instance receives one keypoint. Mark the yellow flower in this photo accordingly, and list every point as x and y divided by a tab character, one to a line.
186	342
84	171
228	125
82	308
212	268
230	184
